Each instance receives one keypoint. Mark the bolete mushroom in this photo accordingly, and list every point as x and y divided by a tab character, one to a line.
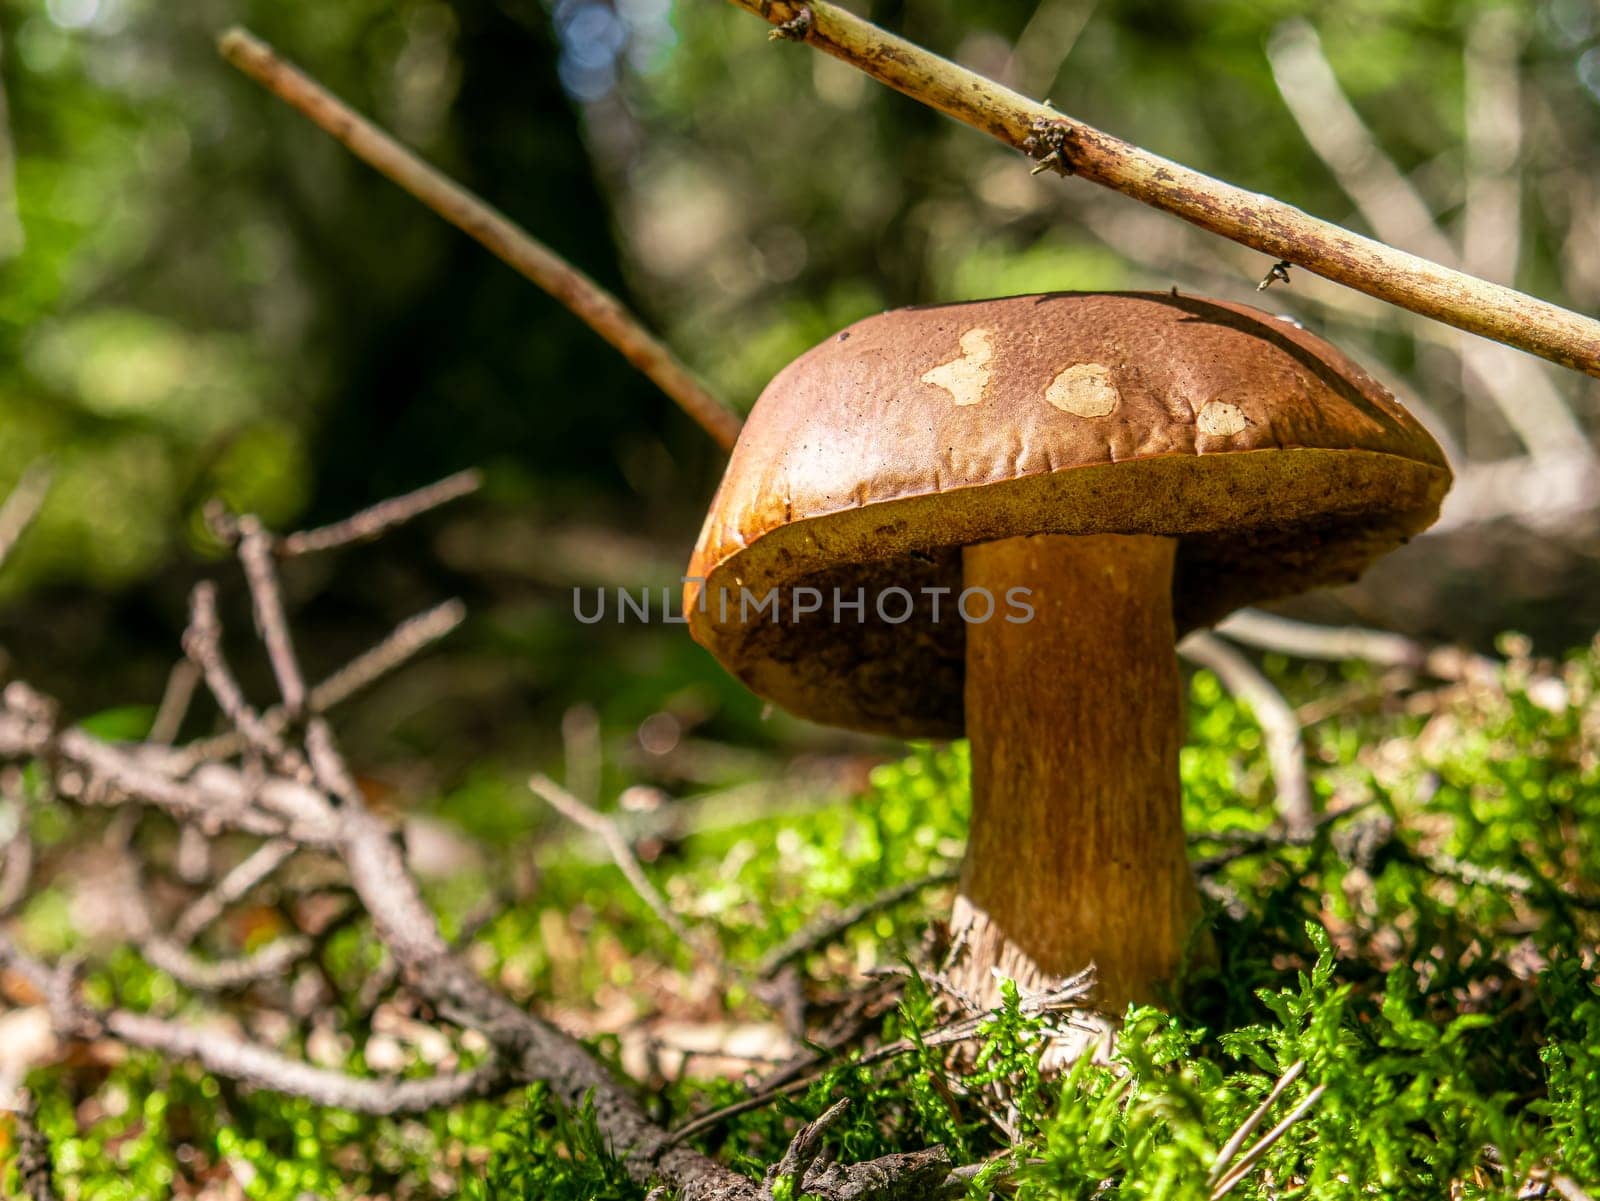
1138	465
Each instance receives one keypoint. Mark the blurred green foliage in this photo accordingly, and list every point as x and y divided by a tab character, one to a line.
204	296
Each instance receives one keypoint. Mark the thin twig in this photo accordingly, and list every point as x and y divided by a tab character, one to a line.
21	506
328	763
1304	640
261	863
272	623
937	980
31	1162
405	642
1254	842
1261	222
1398	214
372	522
825	930
193	857
1268	1140
1279	727
270	962
202	642
175	700
250	1063
1066	996
616	843
217	797
600	310
1248	1126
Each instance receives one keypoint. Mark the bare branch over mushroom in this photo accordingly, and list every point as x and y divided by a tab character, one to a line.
1250	218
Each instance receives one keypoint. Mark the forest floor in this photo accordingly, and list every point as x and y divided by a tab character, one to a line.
1409	998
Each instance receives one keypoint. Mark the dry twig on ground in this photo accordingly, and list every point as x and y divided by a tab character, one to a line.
31	1153
1279	726
621	852
1269	632
294	792
825	930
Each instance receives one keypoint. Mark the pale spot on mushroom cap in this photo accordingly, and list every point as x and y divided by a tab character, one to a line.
1085	389
1221	419
965	378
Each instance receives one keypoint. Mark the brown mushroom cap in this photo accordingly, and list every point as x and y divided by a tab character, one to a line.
875	457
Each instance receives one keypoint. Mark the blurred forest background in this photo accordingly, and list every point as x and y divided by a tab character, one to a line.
201	295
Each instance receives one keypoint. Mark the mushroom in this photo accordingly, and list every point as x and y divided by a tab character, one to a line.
1063	485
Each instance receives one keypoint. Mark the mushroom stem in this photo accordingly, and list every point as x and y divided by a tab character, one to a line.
1077	850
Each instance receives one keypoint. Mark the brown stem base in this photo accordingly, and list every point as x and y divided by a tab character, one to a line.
1077	852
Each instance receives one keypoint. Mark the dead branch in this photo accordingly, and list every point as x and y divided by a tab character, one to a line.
232	888
1276	229
322	810
820	933
300	796
380	518
621	852
600	310
1303	640
202	642
32	1163
1257	842
527	1048
1066	998
1251	1157
1394	210
402	644
1246	1128
905	1176
935	981
804	1149
21	506
1476	875
261	572
1279	727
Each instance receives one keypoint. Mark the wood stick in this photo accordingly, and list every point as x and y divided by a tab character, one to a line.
1280	728
502	237
1250	218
